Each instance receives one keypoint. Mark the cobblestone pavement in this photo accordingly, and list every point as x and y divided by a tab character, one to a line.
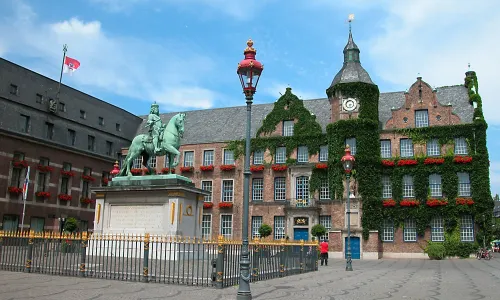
379	279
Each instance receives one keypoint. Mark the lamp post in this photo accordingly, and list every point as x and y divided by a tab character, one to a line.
249	71
348	162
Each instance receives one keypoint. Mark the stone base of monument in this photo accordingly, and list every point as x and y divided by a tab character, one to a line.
160	205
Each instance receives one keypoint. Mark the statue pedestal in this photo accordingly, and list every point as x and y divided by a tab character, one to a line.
161	205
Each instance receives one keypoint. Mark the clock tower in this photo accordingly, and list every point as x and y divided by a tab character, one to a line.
346	104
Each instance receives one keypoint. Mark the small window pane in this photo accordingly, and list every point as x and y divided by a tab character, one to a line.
386	187
437	229
410	230
324	190
280	157
228	157
421	118
188	158
406	148
288	128
206	227
385	149
408	188
208	157
467	229
463	185
461	146
323	153
227	191
279	189
279	227
207	186
257	189
256	223
258	157
302	154
435	185
433	148
388	231
226	228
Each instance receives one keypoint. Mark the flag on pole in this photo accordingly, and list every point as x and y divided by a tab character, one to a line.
26	182
70	65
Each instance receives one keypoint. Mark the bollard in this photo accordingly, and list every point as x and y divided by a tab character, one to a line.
219	269
83	254
29	254
145	273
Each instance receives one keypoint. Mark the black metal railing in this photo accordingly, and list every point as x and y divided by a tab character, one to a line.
152	258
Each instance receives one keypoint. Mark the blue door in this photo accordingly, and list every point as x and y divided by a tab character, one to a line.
355	247
300	234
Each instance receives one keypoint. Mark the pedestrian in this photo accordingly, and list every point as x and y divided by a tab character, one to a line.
324	252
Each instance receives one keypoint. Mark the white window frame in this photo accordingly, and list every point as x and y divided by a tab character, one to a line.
302	154
385	149
210	188
280	155
326	221
464	184
226	231
288	127
165	161
206	231
435	185
421	118
408	186
257	189
152	162
280	191
437	229
406	147
352	144
410	230
388	230
185	162
323	153
466	228
302	189
461	147
257	221
137	164
324	189
433	147
208	161
386	187
228	157
227	197
279	227
258	157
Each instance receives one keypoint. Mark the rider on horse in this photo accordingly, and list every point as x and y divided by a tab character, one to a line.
156	126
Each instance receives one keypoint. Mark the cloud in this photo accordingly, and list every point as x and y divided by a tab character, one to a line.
238	9
438	39
124	66
277	89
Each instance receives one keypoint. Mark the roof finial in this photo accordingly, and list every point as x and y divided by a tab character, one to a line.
351	18
468	66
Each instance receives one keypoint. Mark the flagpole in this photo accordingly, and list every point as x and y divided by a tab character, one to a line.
65	48
25	193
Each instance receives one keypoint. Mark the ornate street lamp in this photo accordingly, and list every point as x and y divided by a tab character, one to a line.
348	162
249	71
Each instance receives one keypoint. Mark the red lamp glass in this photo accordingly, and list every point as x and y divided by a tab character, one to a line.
249	70
348	160
116	169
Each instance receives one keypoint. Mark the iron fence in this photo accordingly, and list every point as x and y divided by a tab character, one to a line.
152	258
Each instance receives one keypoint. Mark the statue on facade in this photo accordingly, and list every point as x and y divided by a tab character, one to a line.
161	140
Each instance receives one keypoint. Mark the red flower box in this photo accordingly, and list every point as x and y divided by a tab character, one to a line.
407	162
64	197
208	205
43	194
15	190
257	168
186	169
389	203
88	178
105	181
464	201
462	159
279	168
436	202
67	173
19	164
388	163
136	171
207	168
44	169
409	203
165	171
433	161
321	166
86	200
225	204
227	167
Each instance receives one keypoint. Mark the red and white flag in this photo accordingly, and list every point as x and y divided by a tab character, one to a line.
70	65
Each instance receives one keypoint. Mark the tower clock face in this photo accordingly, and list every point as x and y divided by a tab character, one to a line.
349	104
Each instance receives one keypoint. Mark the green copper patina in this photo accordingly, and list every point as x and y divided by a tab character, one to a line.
161	140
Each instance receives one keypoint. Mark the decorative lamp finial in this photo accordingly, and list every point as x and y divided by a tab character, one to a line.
249	47
116	169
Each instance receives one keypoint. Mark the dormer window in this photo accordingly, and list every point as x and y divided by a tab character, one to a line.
288	128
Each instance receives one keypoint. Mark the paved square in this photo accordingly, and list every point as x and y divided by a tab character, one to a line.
381	279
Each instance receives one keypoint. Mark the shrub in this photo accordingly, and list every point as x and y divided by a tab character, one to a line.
265	230
318	230
71	225
435	250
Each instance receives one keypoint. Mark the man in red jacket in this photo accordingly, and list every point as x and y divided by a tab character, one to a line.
324	252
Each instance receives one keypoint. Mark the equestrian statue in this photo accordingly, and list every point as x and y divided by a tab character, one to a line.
161	140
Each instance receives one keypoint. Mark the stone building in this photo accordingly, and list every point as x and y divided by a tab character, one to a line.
416	152
70	145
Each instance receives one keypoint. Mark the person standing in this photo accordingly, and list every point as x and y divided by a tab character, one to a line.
324	252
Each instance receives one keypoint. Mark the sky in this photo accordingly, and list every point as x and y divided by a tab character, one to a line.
183	54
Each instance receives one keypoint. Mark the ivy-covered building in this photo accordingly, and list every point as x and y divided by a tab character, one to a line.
421	171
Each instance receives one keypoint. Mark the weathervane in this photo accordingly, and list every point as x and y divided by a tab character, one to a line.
469	66
350	19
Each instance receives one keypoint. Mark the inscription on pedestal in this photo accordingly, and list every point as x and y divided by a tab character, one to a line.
133	216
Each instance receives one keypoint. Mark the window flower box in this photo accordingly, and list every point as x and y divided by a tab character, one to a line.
67	173
44	169
208	205
187	169
19	164
407	162
409	203
64	197
88	178
15	190
389	203
436	202
105	181
462	159
86	200
227	167
43	194
279	167
321	166
136	171
207	168
167	171
225	204
388	163
464	201
433	161
257	168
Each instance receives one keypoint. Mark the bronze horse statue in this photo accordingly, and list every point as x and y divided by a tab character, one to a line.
142	145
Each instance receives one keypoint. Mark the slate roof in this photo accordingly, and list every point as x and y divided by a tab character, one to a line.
227	124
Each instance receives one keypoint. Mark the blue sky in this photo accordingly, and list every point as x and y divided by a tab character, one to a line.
183	53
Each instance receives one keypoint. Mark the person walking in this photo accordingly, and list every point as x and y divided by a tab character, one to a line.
324	252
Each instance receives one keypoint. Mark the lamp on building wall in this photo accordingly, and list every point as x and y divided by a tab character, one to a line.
348	162
249	70
116	169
